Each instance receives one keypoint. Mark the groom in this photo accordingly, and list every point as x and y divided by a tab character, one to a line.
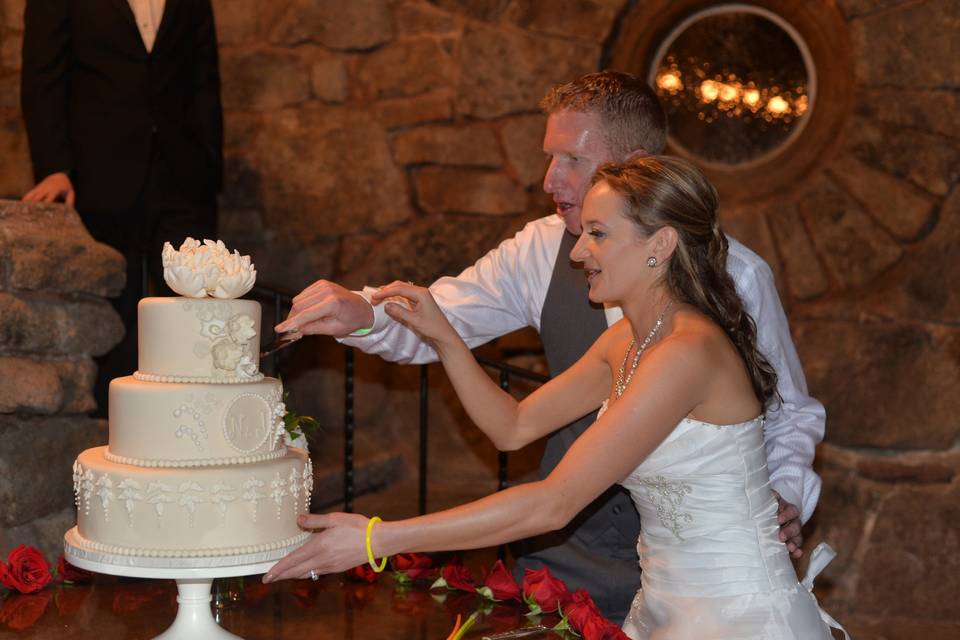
529	281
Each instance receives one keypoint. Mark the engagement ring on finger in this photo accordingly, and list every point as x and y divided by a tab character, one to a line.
313	575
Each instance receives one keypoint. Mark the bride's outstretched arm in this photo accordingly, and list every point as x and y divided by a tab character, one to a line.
663	391
509	424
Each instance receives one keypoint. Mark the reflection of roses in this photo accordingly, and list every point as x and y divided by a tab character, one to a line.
540	588
66	572
362	573
503	618
414	565
305	593
69	601
131	598
417	603
27	570
22	611
459	577
501	584
356	596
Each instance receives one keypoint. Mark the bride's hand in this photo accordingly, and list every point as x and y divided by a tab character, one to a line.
338	545
417	310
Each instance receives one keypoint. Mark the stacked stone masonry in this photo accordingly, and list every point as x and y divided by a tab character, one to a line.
392	139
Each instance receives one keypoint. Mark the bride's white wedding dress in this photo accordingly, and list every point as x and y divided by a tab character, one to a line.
713	564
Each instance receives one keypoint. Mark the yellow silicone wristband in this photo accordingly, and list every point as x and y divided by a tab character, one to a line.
370	558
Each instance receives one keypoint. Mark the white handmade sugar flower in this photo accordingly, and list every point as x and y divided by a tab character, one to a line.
208	269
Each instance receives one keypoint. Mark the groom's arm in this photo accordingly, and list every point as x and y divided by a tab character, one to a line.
795	427
503	291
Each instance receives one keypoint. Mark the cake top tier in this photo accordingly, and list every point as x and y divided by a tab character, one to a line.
199	270
190	340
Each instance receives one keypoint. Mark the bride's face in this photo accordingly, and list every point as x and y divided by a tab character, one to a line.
611	248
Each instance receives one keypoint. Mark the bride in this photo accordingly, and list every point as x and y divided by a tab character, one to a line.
682	390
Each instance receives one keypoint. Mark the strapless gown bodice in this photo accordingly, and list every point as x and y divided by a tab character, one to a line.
713	565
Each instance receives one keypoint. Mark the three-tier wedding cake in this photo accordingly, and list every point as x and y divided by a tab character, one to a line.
196	465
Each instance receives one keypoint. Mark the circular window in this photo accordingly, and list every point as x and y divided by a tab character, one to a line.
737	82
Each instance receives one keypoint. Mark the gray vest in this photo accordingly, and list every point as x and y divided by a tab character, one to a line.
597	551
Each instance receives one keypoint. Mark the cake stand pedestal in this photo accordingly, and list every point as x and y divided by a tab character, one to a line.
194	578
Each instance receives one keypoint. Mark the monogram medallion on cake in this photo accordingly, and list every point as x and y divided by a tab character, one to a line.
248	422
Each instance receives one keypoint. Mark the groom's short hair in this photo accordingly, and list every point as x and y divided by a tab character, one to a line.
632	116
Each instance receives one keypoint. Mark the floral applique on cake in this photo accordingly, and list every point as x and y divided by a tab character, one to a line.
225	337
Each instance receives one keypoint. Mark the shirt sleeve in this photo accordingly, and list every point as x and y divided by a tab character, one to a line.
503	291
794	427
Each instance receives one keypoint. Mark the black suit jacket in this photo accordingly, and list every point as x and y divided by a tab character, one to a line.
101	108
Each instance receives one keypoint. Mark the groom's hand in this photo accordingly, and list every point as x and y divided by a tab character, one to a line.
791	532
326	308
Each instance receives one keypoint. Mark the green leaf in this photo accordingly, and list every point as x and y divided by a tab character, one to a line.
296	424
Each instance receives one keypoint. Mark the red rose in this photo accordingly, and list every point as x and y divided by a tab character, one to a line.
66	572
20	612
581	610
27	572
501	583
542	589
459	577
602	629
414	565
363	573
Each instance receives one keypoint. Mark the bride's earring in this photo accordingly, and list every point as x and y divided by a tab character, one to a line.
652	261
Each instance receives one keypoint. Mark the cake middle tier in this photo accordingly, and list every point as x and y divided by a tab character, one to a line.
166	424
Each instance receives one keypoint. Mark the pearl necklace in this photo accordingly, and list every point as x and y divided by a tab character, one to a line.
621	384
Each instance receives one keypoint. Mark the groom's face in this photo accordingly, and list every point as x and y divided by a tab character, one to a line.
575	145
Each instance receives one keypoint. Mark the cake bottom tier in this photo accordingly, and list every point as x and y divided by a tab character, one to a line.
194	512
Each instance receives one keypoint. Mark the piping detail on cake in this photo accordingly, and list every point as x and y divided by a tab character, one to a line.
188	494
191	553
149	377
199	462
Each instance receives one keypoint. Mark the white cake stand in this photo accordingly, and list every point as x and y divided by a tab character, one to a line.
194	578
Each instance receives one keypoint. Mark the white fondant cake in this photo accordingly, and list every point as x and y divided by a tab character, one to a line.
196	464
198	340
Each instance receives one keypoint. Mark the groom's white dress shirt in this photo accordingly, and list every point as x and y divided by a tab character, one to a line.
505	290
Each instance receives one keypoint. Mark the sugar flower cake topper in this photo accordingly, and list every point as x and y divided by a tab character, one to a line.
208	269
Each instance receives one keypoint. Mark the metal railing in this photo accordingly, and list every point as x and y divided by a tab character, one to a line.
282	300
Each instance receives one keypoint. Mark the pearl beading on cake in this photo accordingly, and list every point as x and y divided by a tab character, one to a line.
150	377
192	553
200	462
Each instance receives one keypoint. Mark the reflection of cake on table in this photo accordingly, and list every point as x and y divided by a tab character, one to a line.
196	463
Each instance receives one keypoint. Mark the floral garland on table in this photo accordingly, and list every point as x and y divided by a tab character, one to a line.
27	572
548	601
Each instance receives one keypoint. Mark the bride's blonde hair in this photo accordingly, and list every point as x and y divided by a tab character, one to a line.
663	191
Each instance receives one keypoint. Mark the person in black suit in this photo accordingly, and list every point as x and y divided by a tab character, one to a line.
121	100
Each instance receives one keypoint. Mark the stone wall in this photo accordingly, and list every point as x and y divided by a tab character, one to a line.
53	321
382	139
